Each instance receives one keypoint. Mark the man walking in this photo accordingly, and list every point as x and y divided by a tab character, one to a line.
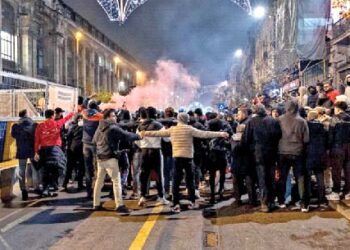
23	132
107	139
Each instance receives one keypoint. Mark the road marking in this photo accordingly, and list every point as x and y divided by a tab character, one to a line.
19	210
146	229
18	221
3	241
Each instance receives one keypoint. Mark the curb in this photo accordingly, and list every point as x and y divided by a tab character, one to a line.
341	208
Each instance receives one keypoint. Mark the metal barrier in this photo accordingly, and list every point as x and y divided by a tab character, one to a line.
18	92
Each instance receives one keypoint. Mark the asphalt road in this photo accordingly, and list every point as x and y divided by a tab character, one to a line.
65	222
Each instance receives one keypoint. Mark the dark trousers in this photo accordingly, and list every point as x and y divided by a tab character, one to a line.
299	171
168	172
89	161
341	161
321	193
75	161
151	160
219	164
182	164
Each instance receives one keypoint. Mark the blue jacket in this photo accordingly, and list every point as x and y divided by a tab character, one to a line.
24	132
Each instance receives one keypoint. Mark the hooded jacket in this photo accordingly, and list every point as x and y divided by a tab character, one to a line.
107	138
24	132
91	118
339	130
262	135
295	132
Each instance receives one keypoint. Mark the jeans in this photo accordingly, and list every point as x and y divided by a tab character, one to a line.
341	161
89	161
111	168
151	159
22	174
136	169
265	172
75	160
168	172
299	171
182	164
219	164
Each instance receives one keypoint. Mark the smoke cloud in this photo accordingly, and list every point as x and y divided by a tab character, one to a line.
172	86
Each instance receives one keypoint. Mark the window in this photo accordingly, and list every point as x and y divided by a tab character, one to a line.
8	37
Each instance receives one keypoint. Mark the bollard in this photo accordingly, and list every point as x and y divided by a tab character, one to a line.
7	179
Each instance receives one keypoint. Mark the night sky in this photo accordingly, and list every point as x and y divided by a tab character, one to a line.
200	34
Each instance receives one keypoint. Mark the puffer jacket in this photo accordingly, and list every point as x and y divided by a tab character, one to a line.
24	132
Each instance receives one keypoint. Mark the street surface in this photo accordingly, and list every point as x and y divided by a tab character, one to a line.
66	222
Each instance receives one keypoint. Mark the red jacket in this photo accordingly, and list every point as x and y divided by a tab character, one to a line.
332	95
48	133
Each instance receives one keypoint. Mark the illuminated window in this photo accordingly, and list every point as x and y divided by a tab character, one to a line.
8	37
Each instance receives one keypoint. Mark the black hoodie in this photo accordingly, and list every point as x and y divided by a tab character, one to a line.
108	137
24	132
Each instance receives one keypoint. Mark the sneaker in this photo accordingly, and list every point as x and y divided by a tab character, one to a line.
97	208
122	210
333	197
282	206
24	195
264	208
304	209
142	202
347	197
192	206
176	209
134	196
162	201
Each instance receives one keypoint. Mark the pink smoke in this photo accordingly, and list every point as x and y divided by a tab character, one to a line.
172	86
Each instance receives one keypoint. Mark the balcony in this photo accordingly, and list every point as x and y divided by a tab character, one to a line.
341	29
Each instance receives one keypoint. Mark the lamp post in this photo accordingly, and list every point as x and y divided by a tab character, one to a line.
117	61
78	37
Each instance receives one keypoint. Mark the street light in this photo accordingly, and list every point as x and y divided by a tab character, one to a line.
259	12
78	37
238	53
117	61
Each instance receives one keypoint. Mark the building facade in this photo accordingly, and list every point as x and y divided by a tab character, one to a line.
46	39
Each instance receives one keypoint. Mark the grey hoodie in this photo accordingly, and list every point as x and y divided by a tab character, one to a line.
295	131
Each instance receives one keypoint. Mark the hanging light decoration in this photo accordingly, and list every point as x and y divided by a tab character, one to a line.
120	10
244	4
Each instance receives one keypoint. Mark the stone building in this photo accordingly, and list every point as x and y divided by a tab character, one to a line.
46	39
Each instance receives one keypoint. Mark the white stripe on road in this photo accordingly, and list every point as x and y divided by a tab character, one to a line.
3	241
18	221
19	210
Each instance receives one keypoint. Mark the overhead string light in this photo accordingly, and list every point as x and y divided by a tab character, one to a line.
120	10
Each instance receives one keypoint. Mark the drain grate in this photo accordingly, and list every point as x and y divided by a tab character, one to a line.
211	239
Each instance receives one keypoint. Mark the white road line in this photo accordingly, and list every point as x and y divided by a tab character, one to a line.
18	221
3	241
19	210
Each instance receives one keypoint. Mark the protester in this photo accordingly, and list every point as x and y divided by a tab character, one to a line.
181	137
339	141
75	157
295	134
91	119
107	139
48	150
152	158
23	132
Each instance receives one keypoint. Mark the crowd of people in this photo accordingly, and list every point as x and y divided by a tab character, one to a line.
279	154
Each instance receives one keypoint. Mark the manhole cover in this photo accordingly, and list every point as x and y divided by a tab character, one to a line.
211	239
